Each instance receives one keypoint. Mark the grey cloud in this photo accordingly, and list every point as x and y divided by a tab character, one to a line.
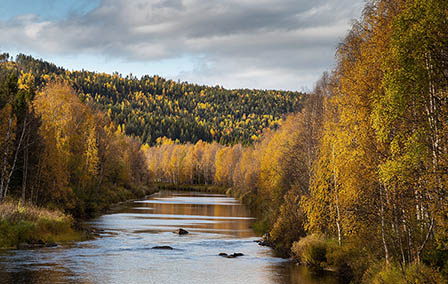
174	4
240	41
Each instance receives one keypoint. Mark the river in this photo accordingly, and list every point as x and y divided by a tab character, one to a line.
123	253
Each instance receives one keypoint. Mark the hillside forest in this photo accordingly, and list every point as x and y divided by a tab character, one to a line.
152	107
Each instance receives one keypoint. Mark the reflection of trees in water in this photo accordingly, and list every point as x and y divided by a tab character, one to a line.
289	272
38	276
236	227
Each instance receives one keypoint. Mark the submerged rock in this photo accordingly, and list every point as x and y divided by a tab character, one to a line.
35	244
265	243
163	247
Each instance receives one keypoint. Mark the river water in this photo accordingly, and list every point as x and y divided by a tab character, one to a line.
123	253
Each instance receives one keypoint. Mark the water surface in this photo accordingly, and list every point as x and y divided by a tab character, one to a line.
123	253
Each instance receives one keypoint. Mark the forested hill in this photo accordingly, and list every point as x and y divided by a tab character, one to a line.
153	107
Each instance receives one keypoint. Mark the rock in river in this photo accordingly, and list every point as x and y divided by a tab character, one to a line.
235	254
163	247
181	232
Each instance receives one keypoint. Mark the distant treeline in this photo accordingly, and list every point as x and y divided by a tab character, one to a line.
358	181
61	153
271	176
153	107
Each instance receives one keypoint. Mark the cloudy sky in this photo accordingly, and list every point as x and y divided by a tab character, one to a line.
267	44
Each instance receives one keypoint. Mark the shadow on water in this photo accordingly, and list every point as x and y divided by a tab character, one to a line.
123	254
289	272
39	275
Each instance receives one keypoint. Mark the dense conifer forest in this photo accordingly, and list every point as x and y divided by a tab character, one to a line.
153	107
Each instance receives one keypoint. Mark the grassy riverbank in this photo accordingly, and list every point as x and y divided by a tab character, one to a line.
27	223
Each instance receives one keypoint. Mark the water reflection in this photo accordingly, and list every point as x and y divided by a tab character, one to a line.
123	254
196	212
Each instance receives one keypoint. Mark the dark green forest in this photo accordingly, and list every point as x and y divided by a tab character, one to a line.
153	107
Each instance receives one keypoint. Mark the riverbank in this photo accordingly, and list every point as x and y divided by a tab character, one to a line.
26	225
350	263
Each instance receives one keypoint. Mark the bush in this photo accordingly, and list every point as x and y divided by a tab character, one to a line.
288	226
311	251
349	260
415	274
13	234
260	227
437	257
420	274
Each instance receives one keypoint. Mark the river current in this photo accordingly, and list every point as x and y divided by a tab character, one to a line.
123	253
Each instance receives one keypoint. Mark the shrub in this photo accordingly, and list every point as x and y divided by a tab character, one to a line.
437	257
260	227
288	226
349	260
13	234
420	274
415	274
310	250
